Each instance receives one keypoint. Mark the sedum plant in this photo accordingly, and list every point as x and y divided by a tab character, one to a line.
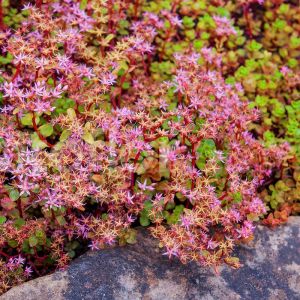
119	113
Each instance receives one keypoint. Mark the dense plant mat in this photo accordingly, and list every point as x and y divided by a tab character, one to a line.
178	115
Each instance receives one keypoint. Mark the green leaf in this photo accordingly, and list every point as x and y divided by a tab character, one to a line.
295	42
144	220
174	217
40	233
61	220
12	243
198	44
284	8
2	220
64	135
104	216
279	24
14	194
230	80
144	217
261	100
262	84
83	4
88	138
25	247
200	163
237	197
19	223
75	245
254	46
148	205
292	62
46	130
207	148
33	241
269	137
131	236
58	146
188	22
71	253
71	113
278	109
242	71
296	105
36	142
126	85
26	120
160	142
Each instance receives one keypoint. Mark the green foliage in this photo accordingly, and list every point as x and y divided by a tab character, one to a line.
46	130
144	215
2	220
173	217
63	104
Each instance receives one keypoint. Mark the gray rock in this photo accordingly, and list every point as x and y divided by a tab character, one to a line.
271	271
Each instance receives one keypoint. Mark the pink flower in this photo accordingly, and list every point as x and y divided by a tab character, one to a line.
175	21
25	186
246	230
27	6
212	244
108	79
145	187
9	89
28	271
285	70
172	251
186	222
94	245
129	198
20	58
130	218
223	26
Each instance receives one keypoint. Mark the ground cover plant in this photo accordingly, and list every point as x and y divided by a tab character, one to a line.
178	115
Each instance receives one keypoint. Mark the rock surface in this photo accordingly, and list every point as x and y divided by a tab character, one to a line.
271	271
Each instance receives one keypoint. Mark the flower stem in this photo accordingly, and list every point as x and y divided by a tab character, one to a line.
1	16
41	137
39	3
248	21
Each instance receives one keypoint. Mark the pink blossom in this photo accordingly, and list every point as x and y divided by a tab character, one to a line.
223	26
108	79
145	187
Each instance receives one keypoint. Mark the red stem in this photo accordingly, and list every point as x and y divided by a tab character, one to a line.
136	6
162	53
17	72
248	23
110	13
113	102
132	174
1	16
41	137
20	208
4	254
193	162
123	78
39	3
37	74
18	121
53	215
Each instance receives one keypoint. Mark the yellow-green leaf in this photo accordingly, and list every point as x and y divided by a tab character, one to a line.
88	138
46	130
36	142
